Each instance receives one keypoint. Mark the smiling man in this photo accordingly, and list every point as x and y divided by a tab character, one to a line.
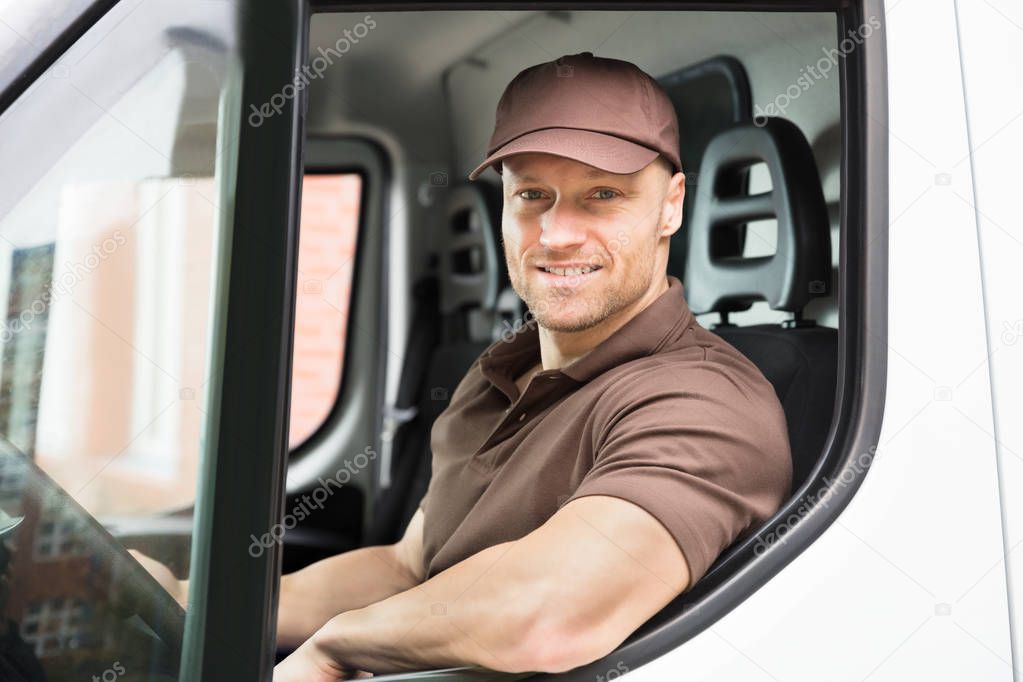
593	466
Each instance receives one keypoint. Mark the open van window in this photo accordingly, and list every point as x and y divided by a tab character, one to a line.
773	254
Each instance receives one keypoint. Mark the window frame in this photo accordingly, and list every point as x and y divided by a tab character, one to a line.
356	419
237	622
63	38
862	297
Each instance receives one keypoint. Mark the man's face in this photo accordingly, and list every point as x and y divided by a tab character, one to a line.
583	244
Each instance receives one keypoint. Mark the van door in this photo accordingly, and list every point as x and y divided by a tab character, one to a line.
148	194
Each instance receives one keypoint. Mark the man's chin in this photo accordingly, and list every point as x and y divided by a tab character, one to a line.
567	323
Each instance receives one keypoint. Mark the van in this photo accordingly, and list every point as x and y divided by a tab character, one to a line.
244	271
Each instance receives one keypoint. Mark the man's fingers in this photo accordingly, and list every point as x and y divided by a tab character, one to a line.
161	573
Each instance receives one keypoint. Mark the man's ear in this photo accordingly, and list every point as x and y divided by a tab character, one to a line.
671	211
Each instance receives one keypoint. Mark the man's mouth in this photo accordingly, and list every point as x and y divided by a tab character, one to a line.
569	271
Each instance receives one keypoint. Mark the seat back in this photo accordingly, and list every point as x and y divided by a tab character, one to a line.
458	313
798	357
801	363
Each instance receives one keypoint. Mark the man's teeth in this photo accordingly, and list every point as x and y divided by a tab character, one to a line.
569	271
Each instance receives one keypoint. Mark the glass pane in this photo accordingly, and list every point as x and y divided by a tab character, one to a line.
111	231
326	260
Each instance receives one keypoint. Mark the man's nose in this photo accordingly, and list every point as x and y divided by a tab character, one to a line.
563	228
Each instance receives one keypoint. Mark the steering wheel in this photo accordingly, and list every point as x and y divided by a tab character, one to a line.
132	590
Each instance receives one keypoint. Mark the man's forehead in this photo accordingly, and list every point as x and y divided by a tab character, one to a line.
531	169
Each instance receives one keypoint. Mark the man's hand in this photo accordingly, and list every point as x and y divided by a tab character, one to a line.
177	588
309	663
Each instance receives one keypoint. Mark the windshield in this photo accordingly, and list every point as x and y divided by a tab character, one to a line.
112	179
106	610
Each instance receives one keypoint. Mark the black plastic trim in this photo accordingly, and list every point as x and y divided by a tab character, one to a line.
243	482
709	5
54	51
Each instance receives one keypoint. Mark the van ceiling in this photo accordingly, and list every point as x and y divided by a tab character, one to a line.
393	75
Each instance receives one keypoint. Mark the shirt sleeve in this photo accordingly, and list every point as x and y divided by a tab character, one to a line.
707	464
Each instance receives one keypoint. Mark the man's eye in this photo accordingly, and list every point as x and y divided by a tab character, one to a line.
531	194
606	194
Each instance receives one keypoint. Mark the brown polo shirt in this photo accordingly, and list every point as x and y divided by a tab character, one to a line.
663	413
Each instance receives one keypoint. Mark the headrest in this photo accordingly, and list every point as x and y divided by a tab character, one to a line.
800	269
471	269
471	266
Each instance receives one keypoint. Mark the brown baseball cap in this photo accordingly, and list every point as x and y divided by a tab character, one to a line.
606	113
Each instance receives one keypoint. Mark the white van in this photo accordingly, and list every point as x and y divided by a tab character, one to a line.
186	372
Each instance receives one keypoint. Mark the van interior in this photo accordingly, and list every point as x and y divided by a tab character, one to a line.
758	251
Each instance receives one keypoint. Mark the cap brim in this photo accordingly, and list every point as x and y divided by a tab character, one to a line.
606	152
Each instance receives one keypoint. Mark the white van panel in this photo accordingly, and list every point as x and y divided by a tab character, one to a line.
906	584
992	64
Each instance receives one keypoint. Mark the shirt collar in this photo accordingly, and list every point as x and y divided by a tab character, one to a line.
655	327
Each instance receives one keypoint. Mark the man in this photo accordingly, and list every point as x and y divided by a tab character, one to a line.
592	467
589	469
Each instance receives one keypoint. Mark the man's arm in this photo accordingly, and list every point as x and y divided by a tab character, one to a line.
313	595
564	595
